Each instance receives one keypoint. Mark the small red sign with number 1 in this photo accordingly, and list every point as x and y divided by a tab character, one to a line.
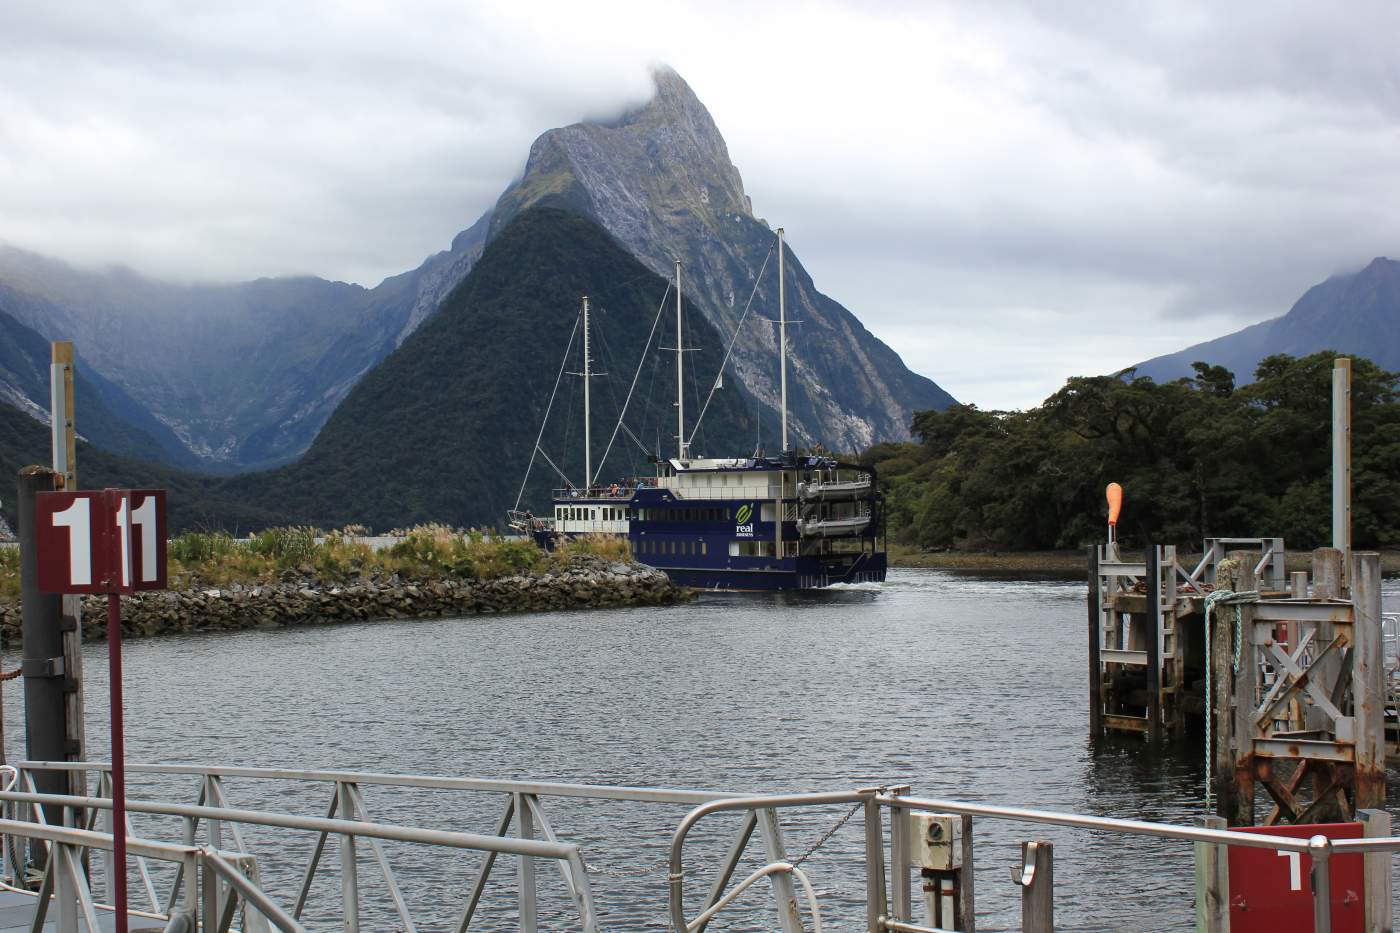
101	541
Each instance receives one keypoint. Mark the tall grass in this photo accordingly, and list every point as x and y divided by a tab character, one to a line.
423	553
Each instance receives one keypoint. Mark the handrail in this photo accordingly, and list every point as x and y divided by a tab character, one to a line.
699	922
90	839
1103	823
538	788
252	893
676	875
1320	848
504	845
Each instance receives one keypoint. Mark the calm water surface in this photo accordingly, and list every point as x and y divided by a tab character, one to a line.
970	687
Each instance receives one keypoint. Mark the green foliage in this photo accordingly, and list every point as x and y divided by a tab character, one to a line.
1196	457
195	547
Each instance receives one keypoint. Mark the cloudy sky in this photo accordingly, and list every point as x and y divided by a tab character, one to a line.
1007	194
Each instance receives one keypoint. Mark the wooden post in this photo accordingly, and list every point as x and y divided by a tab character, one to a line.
1327	573
1299	584
1244	696
1327	584
967	895
1212	881
1222	680
1376	824
1368	681
64	430
62	415
1153	631
1341	462
1095	645
1037	883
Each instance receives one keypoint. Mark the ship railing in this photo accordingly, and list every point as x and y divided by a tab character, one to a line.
223	883
733	492
889	895
346	823
623	493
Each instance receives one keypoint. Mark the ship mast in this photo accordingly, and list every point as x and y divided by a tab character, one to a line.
782	336
680	370
587	410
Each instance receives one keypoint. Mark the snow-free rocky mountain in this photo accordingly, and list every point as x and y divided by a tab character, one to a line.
1358	313
231	377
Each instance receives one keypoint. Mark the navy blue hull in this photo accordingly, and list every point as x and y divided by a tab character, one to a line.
809	575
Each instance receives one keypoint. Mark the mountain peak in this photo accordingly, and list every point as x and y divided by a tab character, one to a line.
671	97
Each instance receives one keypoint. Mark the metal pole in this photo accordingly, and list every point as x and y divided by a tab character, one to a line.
114	663
587	411
1320	849
1341	460
680	370
782	334
44	672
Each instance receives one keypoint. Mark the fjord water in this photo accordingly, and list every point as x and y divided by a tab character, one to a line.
966	686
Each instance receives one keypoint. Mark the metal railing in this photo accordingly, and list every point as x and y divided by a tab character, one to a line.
889	900
352	827
347	818
64	886
215	883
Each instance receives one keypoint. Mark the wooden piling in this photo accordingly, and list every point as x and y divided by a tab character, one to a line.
1222	634
1037	887
1152	629
1376	824
1368	681
1212	881
1243	696
1095	645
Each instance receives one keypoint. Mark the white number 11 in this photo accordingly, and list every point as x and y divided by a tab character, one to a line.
145	516
77	518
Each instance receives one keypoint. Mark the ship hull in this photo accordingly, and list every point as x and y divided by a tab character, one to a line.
870	570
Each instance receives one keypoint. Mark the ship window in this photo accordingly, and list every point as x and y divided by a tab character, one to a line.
765	512
704	549
733	548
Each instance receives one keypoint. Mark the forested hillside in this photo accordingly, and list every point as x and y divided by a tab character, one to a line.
443	429
1196	457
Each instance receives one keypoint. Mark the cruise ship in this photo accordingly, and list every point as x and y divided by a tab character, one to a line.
792	521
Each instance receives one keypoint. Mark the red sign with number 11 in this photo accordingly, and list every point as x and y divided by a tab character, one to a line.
101	541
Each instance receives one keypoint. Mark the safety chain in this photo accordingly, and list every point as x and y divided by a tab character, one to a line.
855	808
11	675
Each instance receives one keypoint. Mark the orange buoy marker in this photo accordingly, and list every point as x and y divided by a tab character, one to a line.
1114	492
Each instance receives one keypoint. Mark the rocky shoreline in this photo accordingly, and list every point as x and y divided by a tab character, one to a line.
302	599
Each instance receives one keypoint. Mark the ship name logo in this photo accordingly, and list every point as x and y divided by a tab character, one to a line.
743	527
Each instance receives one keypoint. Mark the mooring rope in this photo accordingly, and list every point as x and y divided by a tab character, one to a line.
1213	599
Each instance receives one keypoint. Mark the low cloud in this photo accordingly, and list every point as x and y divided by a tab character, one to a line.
1007	194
